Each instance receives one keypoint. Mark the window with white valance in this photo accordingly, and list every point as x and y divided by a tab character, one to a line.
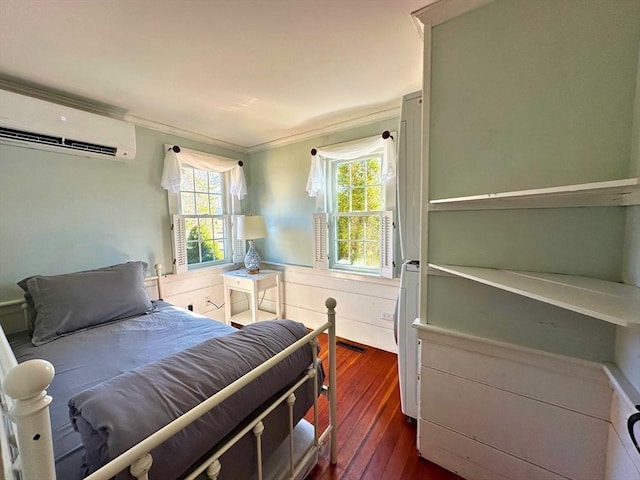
177	157
204	191
354	185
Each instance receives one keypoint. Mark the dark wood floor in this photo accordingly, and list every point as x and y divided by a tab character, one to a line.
375	441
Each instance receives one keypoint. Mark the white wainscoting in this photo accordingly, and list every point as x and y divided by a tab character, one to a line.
623	460
495	410
197	288
361	300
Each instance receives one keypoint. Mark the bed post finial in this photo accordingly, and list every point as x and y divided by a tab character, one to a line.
26	383
330	303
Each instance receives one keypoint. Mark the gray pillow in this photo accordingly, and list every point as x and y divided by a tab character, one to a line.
73	301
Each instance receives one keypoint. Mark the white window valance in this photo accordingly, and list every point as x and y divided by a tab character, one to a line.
175	160
350	151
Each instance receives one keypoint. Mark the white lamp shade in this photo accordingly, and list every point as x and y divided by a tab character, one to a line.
251	227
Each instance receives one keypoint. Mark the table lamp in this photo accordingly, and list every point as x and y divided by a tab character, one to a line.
251	227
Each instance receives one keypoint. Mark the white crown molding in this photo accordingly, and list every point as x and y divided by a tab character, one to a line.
120	114
444	10
352	123
60	99
180	132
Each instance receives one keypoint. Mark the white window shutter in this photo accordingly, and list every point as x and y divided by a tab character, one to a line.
178	232
239	246
320	255
386	245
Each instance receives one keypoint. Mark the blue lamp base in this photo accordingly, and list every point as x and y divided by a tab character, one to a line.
252	259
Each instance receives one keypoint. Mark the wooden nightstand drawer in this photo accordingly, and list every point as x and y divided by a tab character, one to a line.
238	282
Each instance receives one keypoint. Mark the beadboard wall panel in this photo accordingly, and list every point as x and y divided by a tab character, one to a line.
361	302
474	460
501	405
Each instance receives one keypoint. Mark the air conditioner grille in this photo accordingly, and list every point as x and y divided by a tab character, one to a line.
90	147
29	136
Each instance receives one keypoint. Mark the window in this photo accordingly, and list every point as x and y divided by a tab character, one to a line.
356	204
356	231
203	205
204	192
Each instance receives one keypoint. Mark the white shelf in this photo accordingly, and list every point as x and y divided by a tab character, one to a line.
244	318
623	192
609	301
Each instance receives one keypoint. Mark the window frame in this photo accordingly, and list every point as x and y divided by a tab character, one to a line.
334	214
323	256
230	205
225	217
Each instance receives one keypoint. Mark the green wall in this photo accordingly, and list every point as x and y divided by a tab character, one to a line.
521	84
62	213
277	191
530	95
627	346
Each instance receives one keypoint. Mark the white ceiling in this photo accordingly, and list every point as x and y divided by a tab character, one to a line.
246	72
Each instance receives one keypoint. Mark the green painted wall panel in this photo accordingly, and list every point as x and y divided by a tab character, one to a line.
277	191
62	213
627	353
533	94
578	241
529	95
477	309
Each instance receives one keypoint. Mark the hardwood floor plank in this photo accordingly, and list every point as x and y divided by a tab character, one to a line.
385	448
356	425
404	450
371	449
375	441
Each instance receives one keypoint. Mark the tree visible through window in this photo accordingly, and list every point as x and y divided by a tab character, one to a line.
357	204
202	203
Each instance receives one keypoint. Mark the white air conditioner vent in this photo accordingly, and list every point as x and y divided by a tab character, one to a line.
34	123
29	137
90	147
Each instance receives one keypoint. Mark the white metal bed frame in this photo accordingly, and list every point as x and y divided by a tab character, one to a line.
26	441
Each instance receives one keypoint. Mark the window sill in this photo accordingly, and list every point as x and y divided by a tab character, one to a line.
208	270
339	274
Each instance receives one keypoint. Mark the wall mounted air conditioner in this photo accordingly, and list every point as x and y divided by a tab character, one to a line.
34	123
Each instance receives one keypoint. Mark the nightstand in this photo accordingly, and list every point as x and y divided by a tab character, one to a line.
253	285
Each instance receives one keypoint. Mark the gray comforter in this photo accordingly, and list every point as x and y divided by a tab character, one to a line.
115	415
95	355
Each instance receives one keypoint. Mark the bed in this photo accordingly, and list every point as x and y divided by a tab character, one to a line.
144	389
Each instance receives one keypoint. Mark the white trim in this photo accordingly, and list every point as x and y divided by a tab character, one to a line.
78	103
612	302
180	132
623	192
350	279
518	353
444	10
385	114
623	460
623	388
